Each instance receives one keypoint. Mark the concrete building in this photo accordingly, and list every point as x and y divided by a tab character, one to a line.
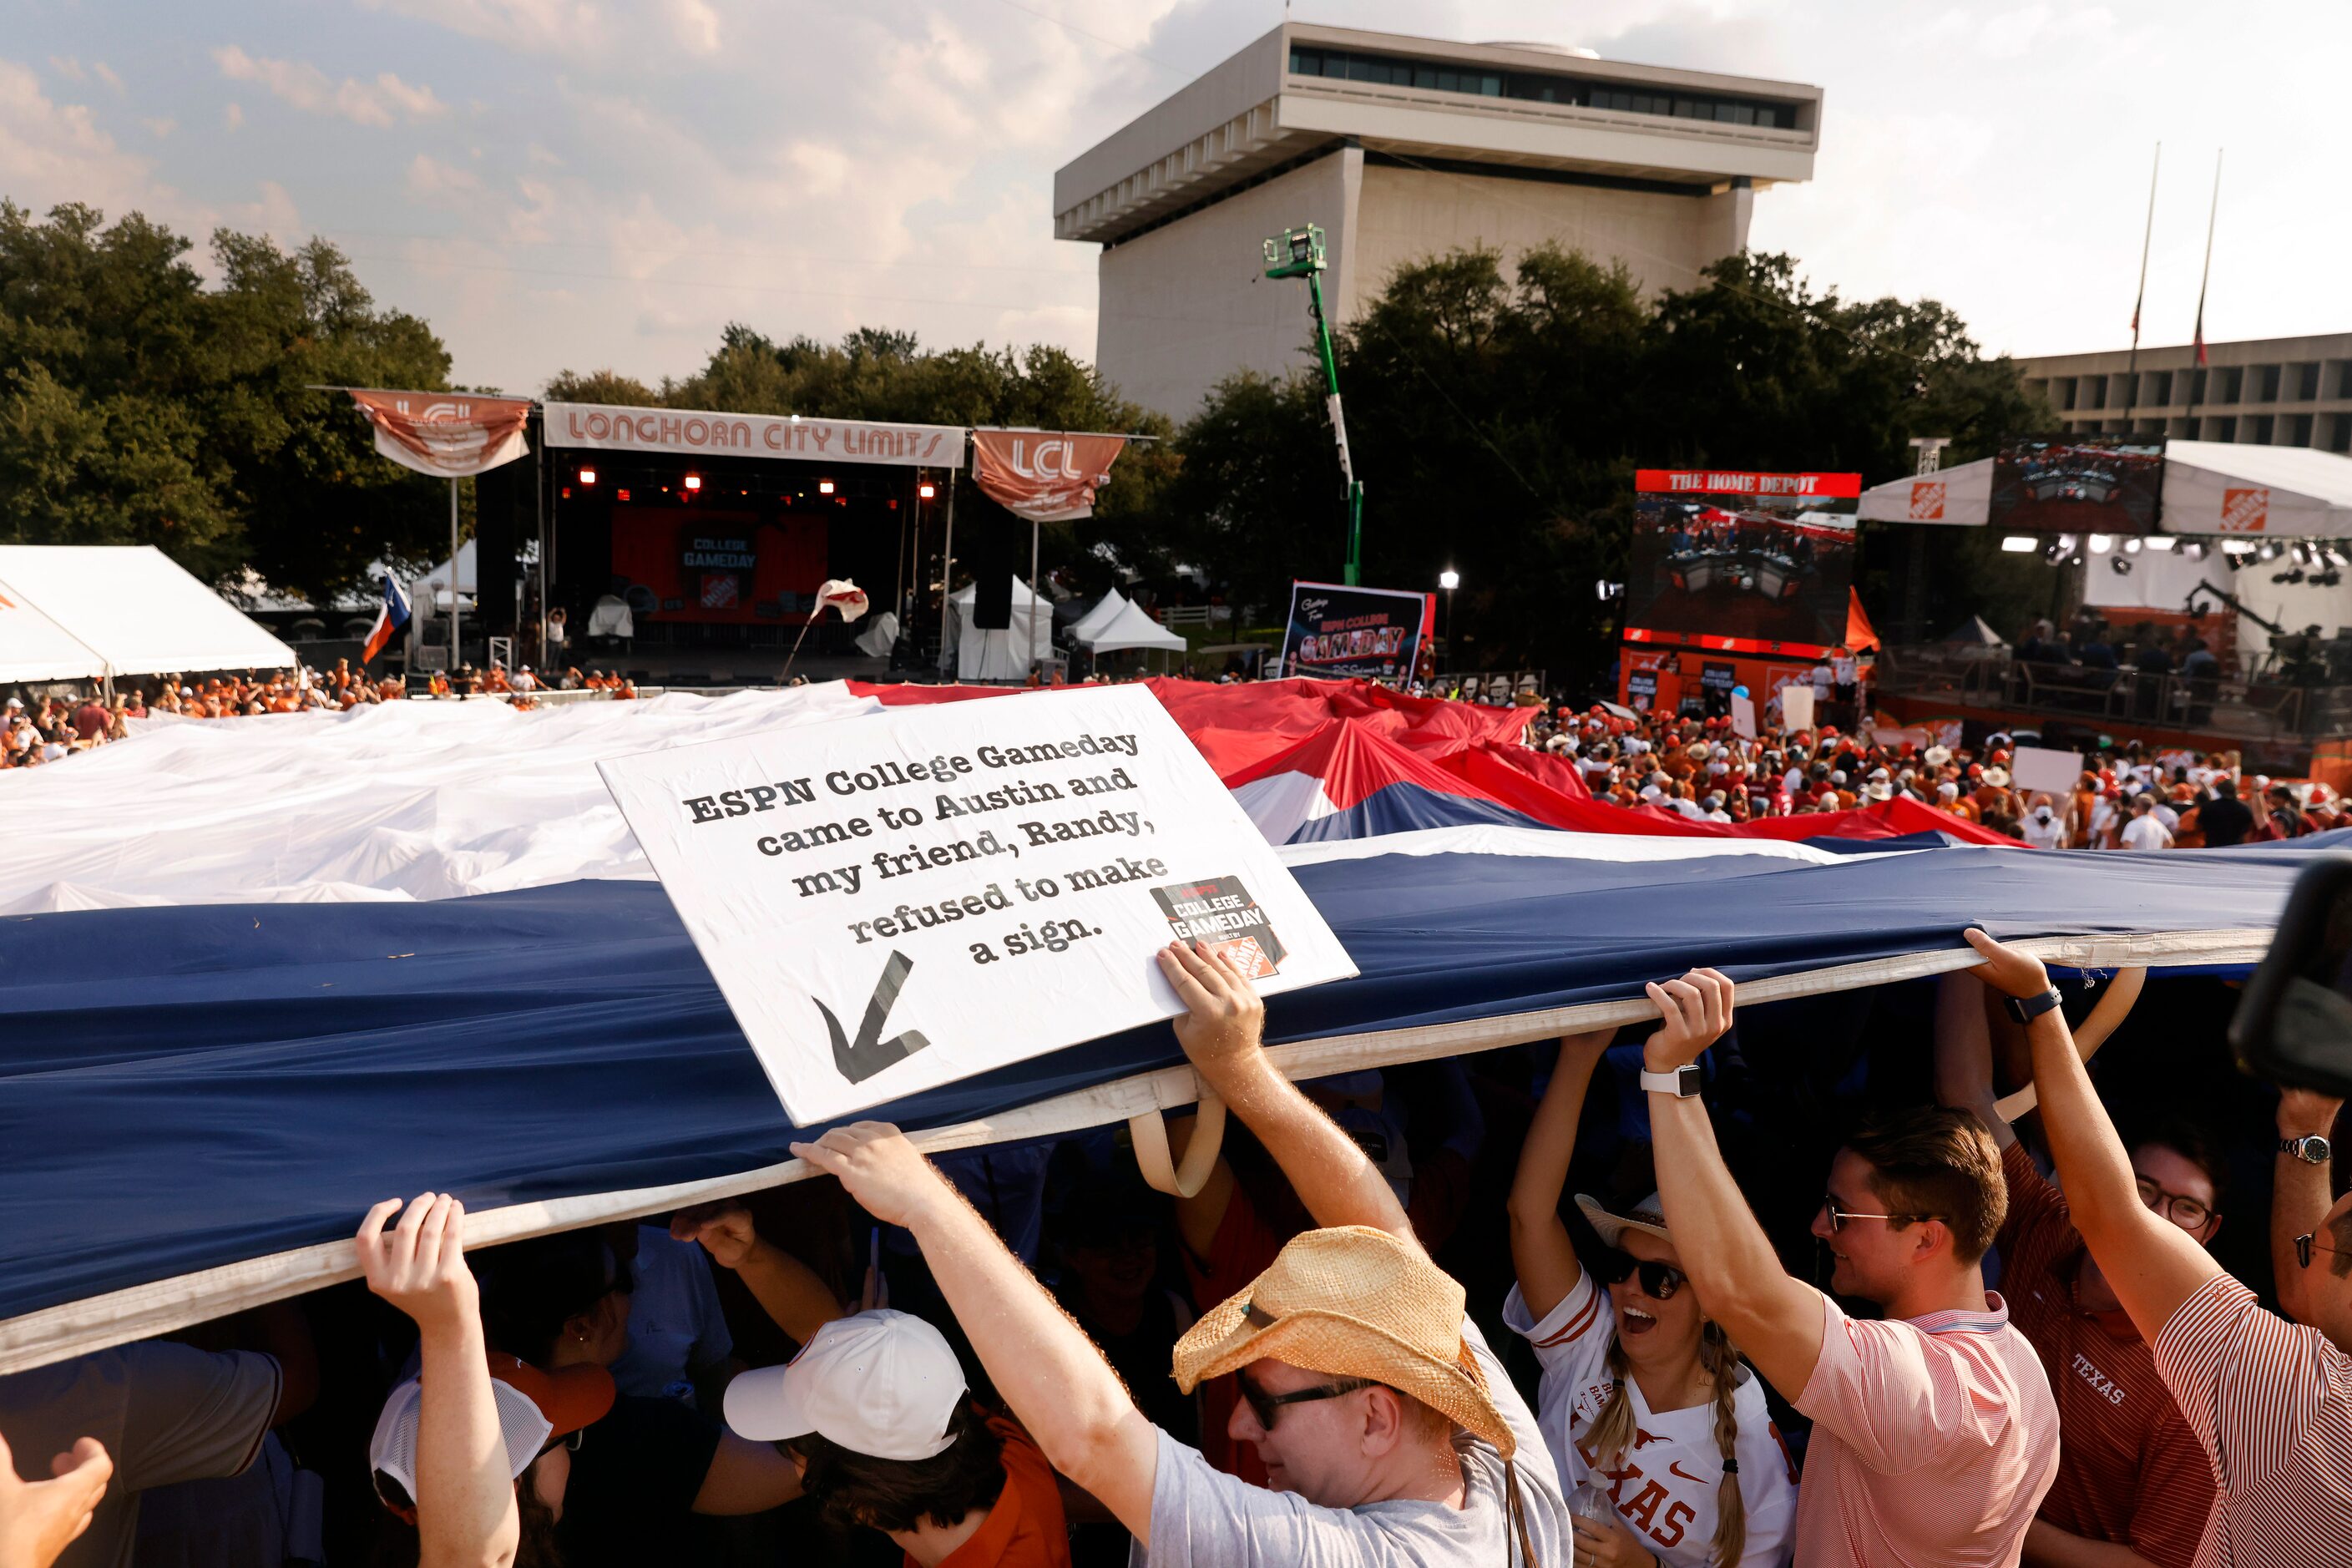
2269	392
1402	148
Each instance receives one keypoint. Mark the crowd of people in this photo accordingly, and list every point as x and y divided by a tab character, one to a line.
2133	796
1379	1332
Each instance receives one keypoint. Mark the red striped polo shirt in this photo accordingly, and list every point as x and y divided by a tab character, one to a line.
2271	1402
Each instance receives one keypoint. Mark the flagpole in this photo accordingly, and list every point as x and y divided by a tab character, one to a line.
456	641
2131	371
2196	382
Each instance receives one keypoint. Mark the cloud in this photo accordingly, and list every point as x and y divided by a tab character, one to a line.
52	153
436	183
306	86
68	67
233	116
105	73
160	127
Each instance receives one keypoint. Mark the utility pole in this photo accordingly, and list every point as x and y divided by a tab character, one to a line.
1298	253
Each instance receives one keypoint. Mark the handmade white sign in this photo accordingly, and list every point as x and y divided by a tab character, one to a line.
2038	768
897	901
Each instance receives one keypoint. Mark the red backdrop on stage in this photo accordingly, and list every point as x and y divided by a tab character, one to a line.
722	567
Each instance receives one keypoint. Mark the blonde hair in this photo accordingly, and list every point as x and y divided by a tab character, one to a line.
1613	1430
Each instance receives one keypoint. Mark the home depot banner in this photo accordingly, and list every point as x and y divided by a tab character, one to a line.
1046	476
447	434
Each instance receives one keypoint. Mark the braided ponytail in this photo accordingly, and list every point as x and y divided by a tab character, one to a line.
1612	1429
1723	1364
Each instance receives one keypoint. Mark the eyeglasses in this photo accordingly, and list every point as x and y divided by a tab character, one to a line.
1838	1217
2188	1213
1267	1407
2306	1244
1659	1280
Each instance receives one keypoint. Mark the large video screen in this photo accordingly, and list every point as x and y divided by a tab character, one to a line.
719	567
2083	484
1763	559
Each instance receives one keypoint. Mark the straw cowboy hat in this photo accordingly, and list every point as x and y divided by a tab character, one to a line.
1354	1302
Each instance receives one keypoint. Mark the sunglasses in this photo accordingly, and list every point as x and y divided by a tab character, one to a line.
1267	1407
2307	1243
1838	1217
1659	1281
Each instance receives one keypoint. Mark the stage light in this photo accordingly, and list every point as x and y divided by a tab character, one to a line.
2054	552
2122	564
2230	559
2161	541
2131	546
2269	552
2196	549
2302	555
620	495
2019	543
927	490
1449	579
825	487
2101	543
694	481
587	476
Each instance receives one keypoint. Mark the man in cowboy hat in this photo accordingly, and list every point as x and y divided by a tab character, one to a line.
1387	1427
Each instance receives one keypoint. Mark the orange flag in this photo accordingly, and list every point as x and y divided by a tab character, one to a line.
1859	637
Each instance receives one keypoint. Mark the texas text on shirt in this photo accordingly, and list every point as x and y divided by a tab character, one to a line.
1665	1489
1201	1517
2129	1469
1934	1440
2271	1402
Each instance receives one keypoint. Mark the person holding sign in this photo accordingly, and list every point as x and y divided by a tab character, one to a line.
1387	1428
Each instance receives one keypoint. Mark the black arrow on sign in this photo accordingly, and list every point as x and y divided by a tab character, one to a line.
871	1053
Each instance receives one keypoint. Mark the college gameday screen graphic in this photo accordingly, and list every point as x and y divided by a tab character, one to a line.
2082	484
1760	561
679	563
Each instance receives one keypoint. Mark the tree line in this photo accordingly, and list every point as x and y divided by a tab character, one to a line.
1496	414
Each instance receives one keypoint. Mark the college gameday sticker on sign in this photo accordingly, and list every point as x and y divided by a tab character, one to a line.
898	901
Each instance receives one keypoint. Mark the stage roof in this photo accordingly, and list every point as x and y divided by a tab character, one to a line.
119	609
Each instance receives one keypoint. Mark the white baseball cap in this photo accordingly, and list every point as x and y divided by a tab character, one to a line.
880	1384
533	1406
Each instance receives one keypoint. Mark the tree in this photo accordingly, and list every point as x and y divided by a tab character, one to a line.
139	407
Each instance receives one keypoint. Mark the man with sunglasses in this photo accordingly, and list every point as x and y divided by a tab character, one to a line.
1389	1430
2270	1401
2134	1485
1934	1434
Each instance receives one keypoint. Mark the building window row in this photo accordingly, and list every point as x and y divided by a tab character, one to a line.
2328	432
2305	383
1433	76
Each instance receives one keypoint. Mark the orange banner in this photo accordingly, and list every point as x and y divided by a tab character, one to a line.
1046	476
447	434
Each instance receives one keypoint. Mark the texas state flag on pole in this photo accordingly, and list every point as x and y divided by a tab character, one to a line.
389	620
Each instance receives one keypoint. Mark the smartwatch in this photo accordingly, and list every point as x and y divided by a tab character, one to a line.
1682	1083
2026	1009
2312	1149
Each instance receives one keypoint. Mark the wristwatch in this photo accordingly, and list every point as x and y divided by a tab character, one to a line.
1682	1083
2028	1008
2311	1150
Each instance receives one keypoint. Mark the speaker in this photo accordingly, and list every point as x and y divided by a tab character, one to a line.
992	569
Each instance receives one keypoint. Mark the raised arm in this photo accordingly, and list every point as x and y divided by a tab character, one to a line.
1540	1252
2300	1193
38	1520
466	1511
1964	1052
1043	1364
787	1289
2152	1263
1775	1320
1220	1032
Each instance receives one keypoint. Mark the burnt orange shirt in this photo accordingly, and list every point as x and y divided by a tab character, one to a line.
1027	1527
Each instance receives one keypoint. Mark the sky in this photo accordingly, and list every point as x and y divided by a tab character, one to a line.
605	184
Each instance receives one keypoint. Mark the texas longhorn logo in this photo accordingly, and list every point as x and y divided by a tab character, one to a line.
870	1053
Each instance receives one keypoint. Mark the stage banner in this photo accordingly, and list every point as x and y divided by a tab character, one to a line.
1373	633
450	435
900	901
603	427
1045	476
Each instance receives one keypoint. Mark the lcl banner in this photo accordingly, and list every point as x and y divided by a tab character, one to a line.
449	434
1045	476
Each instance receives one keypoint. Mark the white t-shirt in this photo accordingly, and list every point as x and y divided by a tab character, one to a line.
1848	671
2050	835
1821	683
2167	816
1667	1490
2103	816
2146	832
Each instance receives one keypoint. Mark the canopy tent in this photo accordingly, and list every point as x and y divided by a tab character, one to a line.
193	1136
1004	655
2280	493
1957	496
1975	632
1104	611
1132	628
104	610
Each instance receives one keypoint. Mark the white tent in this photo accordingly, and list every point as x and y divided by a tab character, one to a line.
2279	492
119	609
1000	655
1132	628
1957	496
1105	610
